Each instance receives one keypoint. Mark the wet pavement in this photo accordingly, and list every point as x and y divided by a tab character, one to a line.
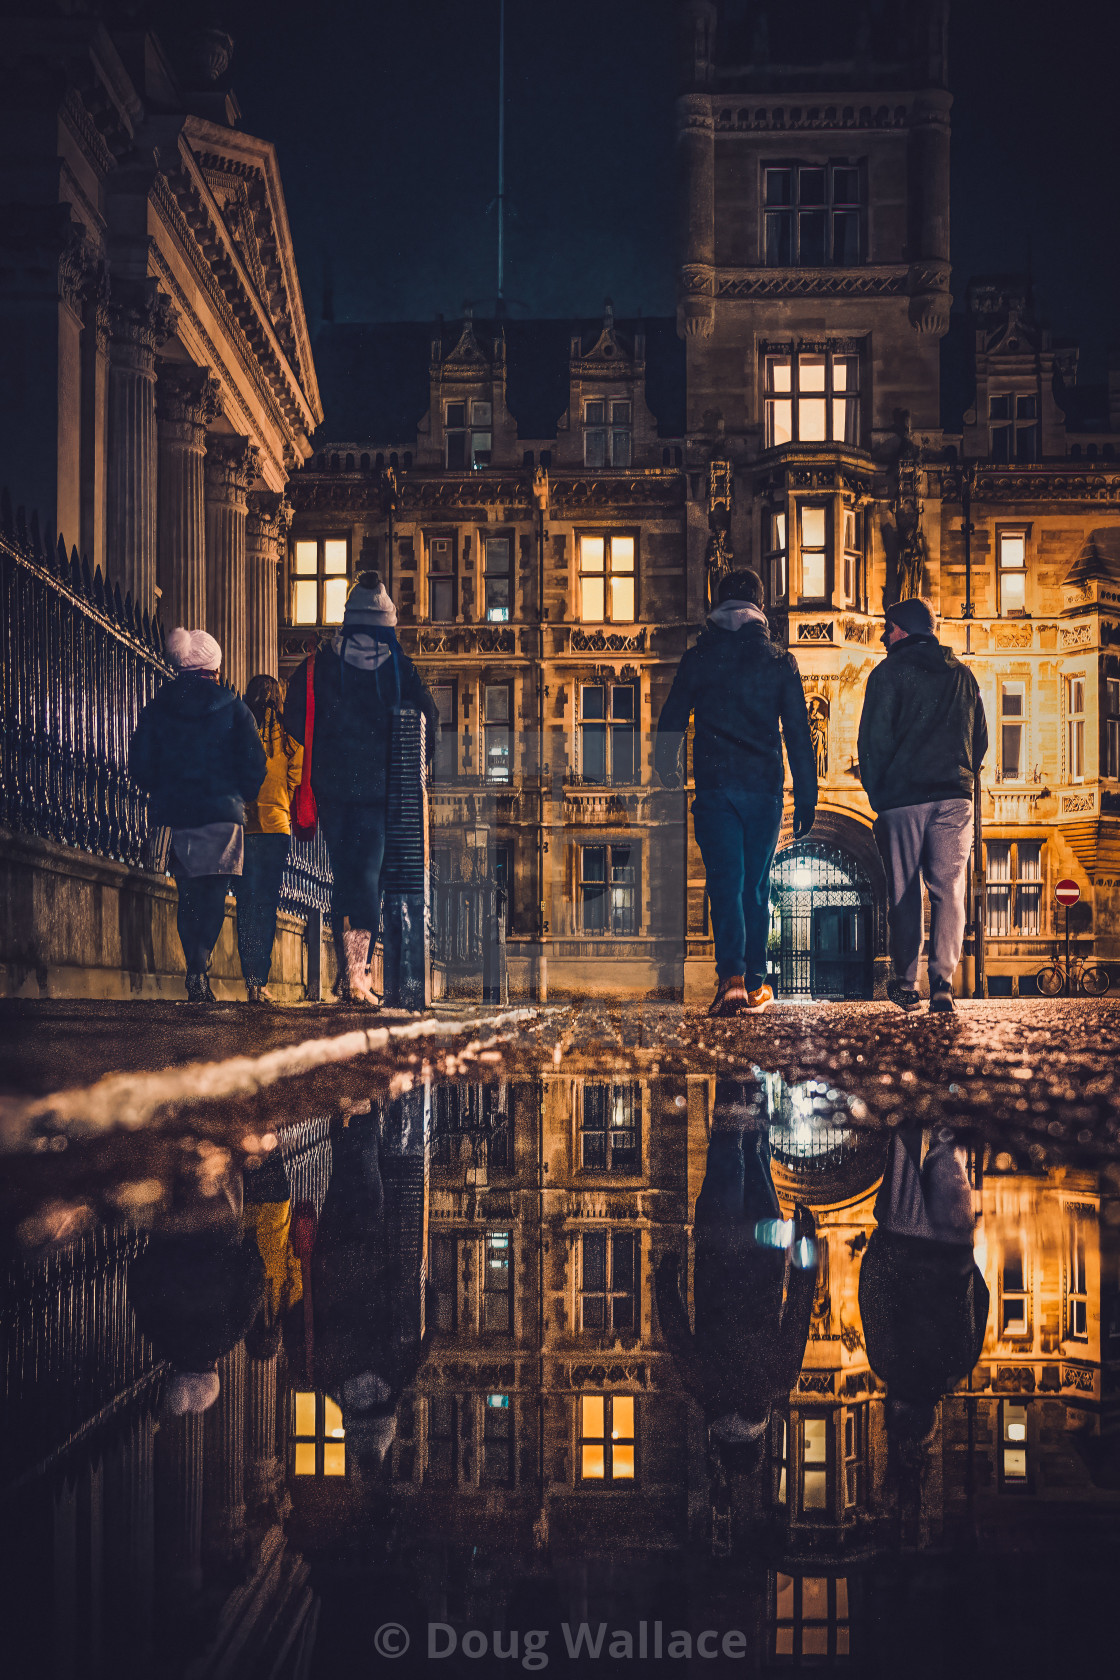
575	1339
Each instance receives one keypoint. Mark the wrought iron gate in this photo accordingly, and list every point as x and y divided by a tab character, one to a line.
821	905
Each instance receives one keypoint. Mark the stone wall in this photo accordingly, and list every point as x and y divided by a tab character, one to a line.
74	925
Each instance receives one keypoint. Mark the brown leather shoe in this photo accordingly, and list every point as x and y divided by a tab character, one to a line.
731	998
758	1000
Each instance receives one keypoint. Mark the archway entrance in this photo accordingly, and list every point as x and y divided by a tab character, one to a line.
821	904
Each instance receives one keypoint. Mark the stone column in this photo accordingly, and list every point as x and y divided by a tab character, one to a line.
95	418
129	1505
696	149
231	465
265	533
224	1507
140	320
179	1459
262	1465
186	401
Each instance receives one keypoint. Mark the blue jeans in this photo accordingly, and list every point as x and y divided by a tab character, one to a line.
257	891
737	833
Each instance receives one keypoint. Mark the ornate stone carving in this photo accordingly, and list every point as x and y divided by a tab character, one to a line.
600	641
816	1382
810	282
1077	635
816	630
818	729
1077	1377
1018	636
186	396
140	320
784	118
1074	802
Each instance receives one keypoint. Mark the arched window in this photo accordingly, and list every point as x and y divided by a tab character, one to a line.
364	463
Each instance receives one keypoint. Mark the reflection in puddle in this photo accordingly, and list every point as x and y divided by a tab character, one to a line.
560	1371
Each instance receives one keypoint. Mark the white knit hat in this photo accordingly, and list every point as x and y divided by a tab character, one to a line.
193	650
190	1391
368	603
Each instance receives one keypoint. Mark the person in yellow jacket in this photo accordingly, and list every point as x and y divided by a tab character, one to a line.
268	832
267	1214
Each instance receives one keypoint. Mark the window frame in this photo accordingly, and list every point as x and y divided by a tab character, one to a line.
631	1168
1112	728
776	552
822	1512
1015	427
1013	687
825	550
612	430
436	578
470	432
609	1294
321	577
487	725
606	888
448	745
486	541
855	555
1005	534
611	727
1074	684
837	1620
1075	1306
854	1435
774	356
1009	1417
1016	890
608	573
831	207
609	1441
327	1439
1010	1296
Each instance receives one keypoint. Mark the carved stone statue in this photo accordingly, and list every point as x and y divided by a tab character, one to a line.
818	729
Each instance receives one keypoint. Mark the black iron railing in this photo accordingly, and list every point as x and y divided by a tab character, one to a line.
306	884
77	665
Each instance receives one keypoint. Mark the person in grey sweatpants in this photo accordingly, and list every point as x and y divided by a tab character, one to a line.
922	738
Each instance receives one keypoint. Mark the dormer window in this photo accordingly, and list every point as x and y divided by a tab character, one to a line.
467	427
811	216
1013	427
606	432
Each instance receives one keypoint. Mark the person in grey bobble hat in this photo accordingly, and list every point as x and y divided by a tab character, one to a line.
922	738
360	678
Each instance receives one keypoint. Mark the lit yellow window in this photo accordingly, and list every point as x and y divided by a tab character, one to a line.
607	579
318	1435
319	580
606	1446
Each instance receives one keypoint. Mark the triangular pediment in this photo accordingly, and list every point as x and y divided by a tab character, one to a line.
467	352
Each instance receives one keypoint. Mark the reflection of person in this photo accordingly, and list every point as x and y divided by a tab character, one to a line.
745	693
195	1290
922	738
268	1219
367	1332
922	1297
754	1282
268	830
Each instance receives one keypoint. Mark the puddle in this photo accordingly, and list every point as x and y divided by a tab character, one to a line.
573	1369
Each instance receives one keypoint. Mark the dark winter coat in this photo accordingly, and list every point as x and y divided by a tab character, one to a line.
197	753
195	1296
923	734
354	723
924	1307
749	1343
746	693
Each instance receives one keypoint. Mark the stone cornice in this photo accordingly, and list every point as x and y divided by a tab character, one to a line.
855	112
231	466
478	493
1044	482
885	280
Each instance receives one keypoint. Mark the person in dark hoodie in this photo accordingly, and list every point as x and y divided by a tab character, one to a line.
369	1330
745	693
922	1297
922	739
359	680
755	1276
197	754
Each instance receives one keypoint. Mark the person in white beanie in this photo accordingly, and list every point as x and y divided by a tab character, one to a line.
197	754
359	679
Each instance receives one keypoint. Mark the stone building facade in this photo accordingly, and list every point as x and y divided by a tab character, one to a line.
528	514
155	357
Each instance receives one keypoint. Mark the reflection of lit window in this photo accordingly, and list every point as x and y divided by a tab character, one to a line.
779	1458
497	1281
1077	1293
814	1463
319	580
497	733
1013	1449
609	1132
855	1455
606	579
446	761
444	1423
1011	557
608	733
1014	1299
609	1281
318	1438
496	579
810	1616
1013	895
497	1440
608	889
606	1438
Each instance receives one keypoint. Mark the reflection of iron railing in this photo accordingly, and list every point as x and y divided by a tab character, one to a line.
306	884
468	931
73	1353
78	666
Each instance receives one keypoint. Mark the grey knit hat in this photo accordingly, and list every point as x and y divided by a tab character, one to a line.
913	616
368	603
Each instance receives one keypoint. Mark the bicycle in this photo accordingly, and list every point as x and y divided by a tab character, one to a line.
1088	977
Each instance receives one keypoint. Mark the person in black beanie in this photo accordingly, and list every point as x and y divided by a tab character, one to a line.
922	740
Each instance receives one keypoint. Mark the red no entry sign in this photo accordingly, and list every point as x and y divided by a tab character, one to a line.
1067	892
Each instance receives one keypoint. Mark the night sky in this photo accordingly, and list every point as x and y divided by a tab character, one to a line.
385	120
